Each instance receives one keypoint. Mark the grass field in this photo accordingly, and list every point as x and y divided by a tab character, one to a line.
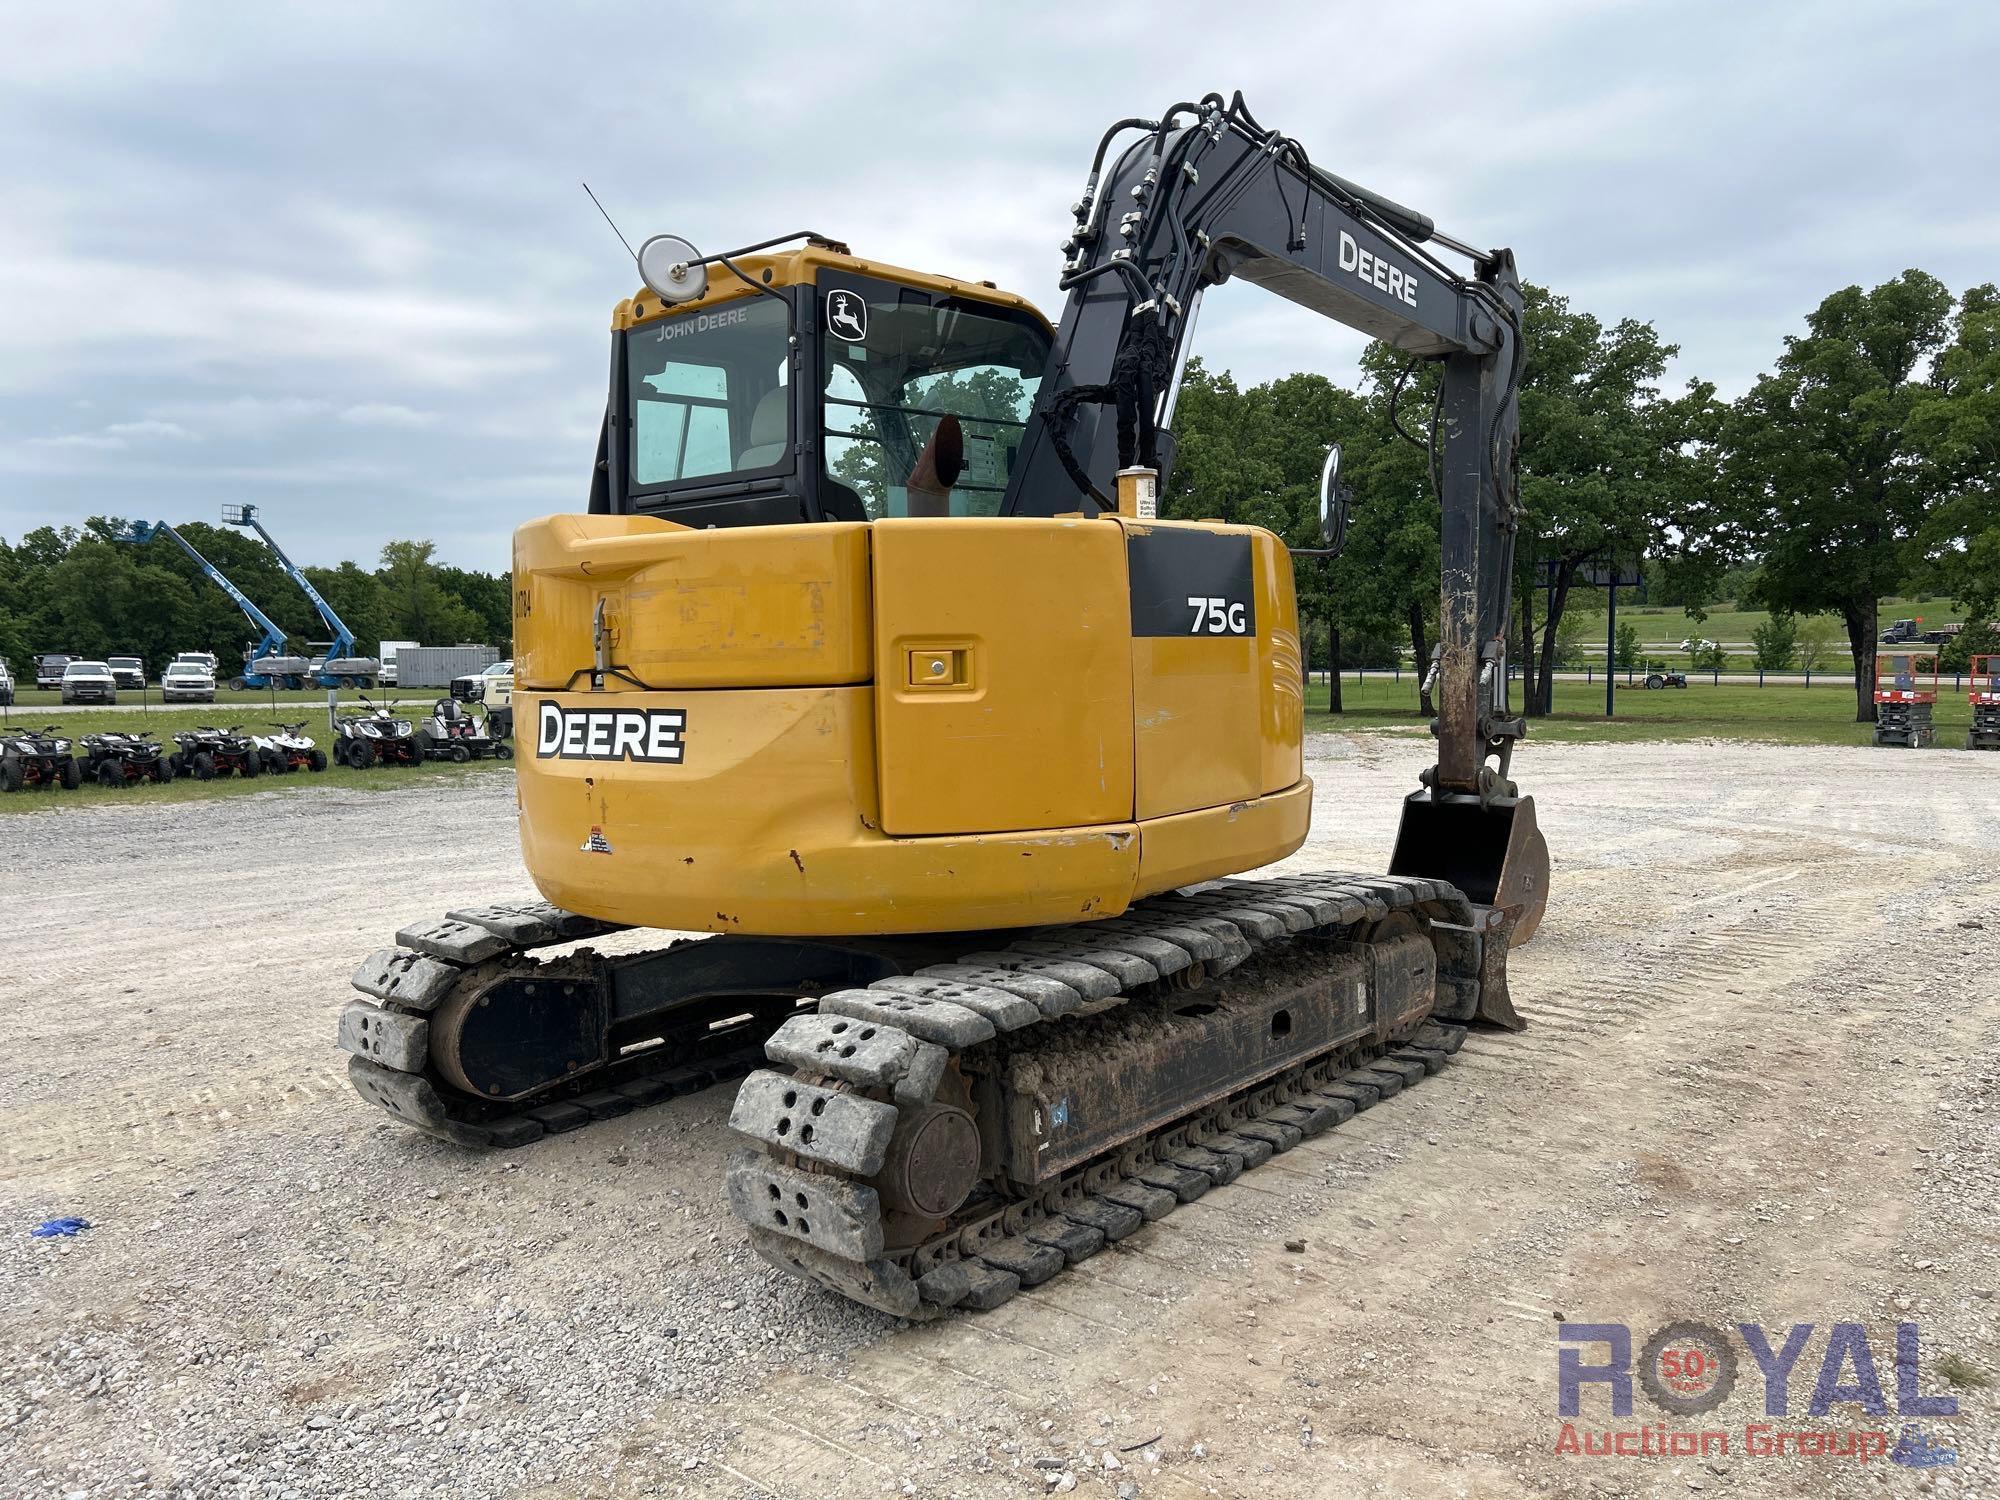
1670	626
1735	711
161	725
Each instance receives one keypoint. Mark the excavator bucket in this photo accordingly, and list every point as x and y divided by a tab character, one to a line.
1493	852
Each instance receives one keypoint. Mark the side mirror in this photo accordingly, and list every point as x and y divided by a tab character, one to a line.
1333	498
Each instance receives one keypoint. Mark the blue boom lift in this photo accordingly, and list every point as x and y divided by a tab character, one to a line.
342	667
266	664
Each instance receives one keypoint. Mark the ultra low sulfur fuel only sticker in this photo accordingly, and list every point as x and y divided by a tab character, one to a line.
655	735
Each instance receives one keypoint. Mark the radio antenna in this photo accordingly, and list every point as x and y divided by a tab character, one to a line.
614	228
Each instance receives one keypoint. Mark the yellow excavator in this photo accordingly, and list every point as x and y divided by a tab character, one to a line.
873	659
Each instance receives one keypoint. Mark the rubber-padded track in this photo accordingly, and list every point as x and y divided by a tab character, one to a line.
813	1220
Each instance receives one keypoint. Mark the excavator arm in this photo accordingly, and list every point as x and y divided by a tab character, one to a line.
1205	194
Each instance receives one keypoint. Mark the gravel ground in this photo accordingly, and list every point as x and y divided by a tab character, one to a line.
1760	1084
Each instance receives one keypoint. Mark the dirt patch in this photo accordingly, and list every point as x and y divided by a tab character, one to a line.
1759	1085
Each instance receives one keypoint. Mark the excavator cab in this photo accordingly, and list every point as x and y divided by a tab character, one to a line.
814	386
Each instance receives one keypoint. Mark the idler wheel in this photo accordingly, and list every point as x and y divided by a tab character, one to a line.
933	1162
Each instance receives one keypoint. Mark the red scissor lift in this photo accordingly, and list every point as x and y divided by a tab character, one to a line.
1905	691
1984	696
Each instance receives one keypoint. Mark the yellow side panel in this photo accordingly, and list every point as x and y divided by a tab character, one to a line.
1003	674
761	606
1281	667
1219	841
1219	715
768	823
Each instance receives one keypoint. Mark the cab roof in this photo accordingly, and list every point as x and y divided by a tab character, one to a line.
801	267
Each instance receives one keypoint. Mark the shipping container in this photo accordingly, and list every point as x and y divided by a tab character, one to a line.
435	666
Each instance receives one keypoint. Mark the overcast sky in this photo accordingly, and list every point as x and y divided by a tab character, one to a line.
334	259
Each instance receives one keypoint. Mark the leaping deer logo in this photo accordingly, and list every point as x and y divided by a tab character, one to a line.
847	315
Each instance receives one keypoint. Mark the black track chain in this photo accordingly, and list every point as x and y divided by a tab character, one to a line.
989	1251
387	1033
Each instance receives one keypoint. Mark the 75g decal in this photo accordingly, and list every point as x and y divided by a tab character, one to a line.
1217	616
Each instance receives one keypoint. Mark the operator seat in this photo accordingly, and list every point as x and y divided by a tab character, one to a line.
770	425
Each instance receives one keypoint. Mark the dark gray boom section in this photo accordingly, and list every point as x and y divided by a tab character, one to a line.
1204	194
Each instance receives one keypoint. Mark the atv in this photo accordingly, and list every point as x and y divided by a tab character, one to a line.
122	759
33	758
362	740
450	733
290	749
208	752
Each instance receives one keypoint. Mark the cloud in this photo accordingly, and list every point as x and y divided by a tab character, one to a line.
117	435
343	251
387	414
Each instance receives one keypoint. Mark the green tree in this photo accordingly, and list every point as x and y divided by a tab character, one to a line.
1572	649
1955	426
1627	658
1606	459
1975	640
489	596
1822	471
414	603
1774	643
355	596
1254	456
1814	647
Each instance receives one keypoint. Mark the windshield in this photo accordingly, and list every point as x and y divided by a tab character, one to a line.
708	393
86	669
896	363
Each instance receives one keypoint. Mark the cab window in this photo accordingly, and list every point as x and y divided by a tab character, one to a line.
924	398
708	393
